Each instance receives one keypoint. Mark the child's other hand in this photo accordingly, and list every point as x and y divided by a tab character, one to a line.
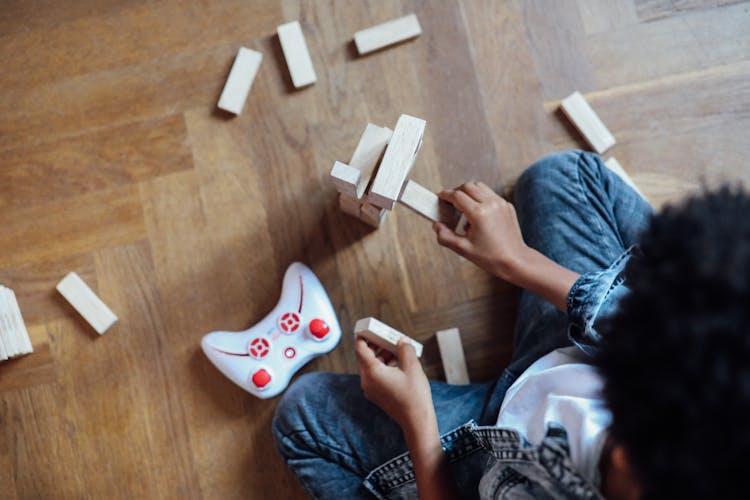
399	389
493	239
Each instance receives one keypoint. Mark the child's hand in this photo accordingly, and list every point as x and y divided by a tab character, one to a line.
493	238
399	389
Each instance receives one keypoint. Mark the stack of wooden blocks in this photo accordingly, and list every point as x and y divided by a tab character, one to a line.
14	339
377	176
353	180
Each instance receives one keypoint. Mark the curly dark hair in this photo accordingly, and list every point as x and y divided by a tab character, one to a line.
676	356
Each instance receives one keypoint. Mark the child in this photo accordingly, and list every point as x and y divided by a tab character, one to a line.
654	410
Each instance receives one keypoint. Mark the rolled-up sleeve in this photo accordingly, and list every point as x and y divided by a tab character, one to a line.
594	297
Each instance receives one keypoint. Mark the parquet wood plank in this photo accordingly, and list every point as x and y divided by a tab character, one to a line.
153	89
152	445
27	15
30	371
559	47
651	10
694	41
67	227
106	158
94	44
510	89
457	141
48	439
599	17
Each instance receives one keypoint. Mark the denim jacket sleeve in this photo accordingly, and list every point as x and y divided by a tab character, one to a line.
594	297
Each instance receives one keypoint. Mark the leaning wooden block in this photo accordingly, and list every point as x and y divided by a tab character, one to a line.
85	301
345	178
452	355
378	333
587	122
615	166
240	80
369	150
388	33
397	162
296	54
428	205
349	205
372	215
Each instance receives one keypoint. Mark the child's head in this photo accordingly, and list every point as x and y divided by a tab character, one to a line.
676	361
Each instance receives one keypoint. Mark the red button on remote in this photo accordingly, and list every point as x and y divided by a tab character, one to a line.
259	348
261	378
289	322
318	328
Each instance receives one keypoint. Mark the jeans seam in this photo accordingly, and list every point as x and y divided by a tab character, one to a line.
583	193
288	437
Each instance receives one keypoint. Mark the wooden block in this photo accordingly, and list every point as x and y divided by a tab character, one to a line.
239	81
368	152
588	123
452	355
397	162
7	348
21	337
14	338
428	205
388	33
461	225
378	333
296	54
349	205
85	301
345	178
615	166
7	342
371	214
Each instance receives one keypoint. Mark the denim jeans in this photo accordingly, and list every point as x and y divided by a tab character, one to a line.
572	209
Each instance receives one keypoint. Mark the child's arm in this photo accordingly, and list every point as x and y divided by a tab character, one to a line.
493	241
403	392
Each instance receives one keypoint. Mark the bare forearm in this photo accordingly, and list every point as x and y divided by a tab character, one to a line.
543	276
434	478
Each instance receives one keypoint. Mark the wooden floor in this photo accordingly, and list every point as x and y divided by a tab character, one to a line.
115	163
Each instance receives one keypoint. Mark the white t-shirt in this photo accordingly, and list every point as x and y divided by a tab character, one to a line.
561	388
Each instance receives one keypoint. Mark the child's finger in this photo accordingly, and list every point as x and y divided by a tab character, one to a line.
474	190
407	355
459	199
365	356
447	238
485	191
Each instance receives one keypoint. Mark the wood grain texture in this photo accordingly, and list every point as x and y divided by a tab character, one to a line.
115	163
104	158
